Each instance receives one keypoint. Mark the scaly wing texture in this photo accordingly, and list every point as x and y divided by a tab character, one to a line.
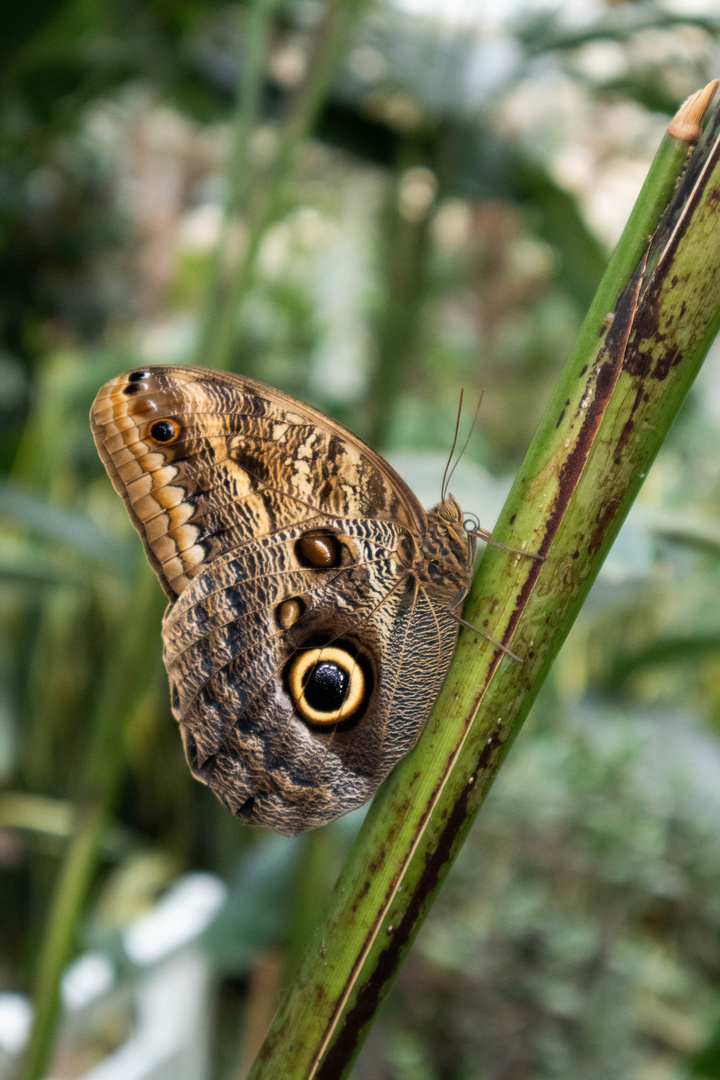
247	462
226	659
224	478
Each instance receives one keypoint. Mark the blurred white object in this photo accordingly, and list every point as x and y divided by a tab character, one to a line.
15	1021
90	976
181	915
170	1038
168	1000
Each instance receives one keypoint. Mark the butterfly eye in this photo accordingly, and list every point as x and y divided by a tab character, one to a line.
328	685
165	431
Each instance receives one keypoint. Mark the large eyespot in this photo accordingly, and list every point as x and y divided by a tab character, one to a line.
321	550
328	684
165	431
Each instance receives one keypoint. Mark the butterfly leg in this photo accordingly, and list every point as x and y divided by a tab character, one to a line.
483	534
488	637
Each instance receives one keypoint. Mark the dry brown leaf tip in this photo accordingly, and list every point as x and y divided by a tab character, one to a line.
687	122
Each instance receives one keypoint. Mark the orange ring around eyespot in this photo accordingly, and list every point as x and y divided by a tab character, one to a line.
176	429
301	666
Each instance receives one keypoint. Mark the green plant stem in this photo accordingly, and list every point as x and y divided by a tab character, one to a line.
122	685
654	197
406	250
311	886
614	404
261	15
72	888
329	43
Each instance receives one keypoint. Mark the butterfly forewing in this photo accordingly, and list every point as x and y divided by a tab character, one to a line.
244	462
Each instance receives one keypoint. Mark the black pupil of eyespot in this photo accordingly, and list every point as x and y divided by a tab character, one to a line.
136	376
325	686
162	431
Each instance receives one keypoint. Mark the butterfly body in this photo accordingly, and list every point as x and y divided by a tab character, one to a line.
312	613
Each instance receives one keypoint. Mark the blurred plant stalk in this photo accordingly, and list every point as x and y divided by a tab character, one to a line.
405	264
122	686
235	256
237	183
644	339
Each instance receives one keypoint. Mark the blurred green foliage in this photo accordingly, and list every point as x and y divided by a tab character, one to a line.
445	228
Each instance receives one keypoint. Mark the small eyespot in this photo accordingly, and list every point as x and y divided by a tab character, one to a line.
328	685
165	431
320	550
288	613
133	383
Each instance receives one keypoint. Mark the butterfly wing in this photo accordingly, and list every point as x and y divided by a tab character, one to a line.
302	650
207	461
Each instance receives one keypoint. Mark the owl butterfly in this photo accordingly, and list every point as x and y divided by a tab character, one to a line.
313	602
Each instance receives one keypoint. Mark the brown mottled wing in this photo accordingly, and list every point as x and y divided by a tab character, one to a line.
226	658
248	461
226	479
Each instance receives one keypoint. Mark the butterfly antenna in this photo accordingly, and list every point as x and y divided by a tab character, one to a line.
447	479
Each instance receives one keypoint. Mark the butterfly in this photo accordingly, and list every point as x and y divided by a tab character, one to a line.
313	603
